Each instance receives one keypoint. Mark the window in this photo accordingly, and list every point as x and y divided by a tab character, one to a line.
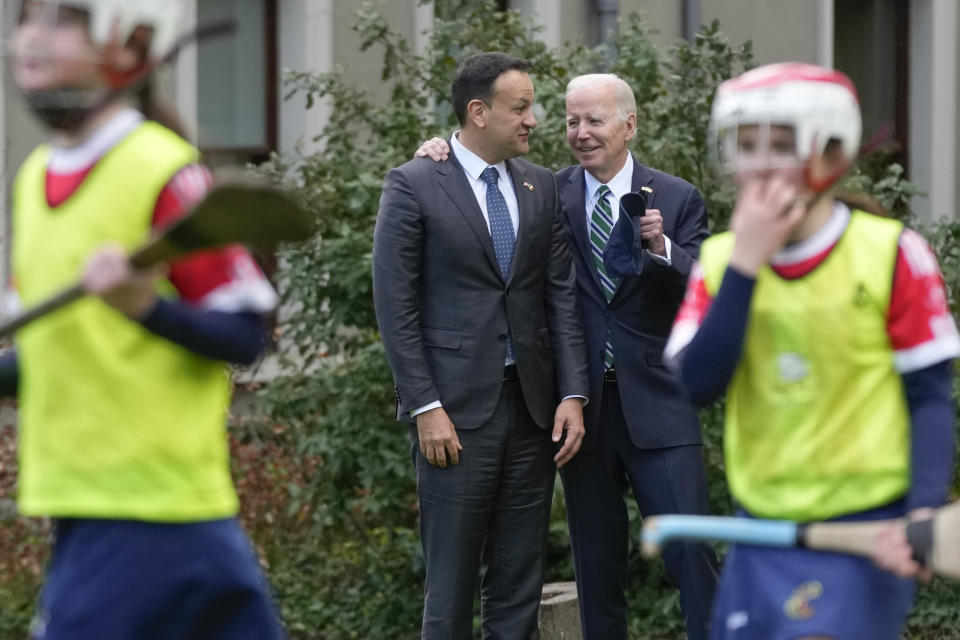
236	81
871	46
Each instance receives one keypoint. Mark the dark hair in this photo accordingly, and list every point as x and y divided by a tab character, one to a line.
144	90
476	76
863	201
157	110
855	199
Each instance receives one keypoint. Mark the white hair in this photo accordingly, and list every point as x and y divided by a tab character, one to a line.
623	96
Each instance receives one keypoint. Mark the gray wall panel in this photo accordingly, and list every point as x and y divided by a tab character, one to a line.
779	29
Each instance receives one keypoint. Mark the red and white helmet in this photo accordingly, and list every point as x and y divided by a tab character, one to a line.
112	23
819	104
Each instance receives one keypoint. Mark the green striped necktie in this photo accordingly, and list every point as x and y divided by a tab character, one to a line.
601	224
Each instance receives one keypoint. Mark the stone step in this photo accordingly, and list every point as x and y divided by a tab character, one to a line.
559	615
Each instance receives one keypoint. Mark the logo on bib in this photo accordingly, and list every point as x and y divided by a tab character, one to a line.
793	367
861	298
797	606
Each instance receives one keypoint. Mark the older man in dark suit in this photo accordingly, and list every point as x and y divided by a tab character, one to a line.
642	431
474	291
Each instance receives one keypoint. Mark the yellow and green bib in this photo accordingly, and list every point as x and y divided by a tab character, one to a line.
816	421
115	422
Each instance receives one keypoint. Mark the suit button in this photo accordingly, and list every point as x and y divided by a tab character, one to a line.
502	337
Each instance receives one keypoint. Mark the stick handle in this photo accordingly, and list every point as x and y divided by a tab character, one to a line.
154	252
53	303
659	530
934	540
847	537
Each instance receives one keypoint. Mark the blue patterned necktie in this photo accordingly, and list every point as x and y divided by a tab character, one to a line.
501	232
501	226
601	223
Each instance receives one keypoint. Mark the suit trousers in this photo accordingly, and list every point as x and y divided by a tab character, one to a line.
668	480
490	510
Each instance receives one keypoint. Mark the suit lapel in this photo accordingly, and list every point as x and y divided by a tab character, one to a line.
527	201
643	177
454	183
575	208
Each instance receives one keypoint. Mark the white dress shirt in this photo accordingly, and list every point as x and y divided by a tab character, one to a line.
473	165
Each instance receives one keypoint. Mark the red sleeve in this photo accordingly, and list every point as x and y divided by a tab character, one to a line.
696	303
227	278
922	330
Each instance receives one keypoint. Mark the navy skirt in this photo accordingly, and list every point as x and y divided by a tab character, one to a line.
770	593
129	580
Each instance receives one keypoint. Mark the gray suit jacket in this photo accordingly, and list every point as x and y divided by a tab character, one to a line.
445	311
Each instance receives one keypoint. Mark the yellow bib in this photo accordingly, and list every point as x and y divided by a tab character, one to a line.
817	422
115	422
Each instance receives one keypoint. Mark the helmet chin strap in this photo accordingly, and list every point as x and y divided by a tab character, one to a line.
67	109
822	185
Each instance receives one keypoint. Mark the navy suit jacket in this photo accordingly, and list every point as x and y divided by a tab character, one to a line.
640	315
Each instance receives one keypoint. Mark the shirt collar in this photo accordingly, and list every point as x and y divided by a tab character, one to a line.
619	184
471	162
825	237
85	155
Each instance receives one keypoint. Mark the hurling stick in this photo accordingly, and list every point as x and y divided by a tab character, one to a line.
934	540
252	214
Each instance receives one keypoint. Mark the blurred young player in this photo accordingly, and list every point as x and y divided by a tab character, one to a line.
124	394
828	330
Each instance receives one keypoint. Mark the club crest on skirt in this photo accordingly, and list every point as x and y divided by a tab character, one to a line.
797	606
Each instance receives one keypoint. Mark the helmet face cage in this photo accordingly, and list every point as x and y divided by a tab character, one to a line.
755	116
757	147
150	26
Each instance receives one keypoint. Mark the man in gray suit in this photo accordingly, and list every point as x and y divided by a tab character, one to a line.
474	291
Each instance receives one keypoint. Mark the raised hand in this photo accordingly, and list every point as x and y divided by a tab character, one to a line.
767	212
